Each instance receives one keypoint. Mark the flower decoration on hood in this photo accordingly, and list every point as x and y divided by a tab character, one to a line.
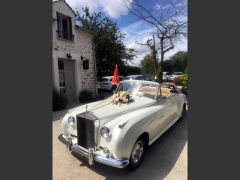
121	97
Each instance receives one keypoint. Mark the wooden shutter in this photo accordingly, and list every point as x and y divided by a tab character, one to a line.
59	24
70	28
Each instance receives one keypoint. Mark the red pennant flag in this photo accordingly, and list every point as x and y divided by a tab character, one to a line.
115	79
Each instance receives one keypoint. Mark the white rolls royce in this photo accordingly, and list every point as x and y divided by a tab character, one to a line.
117	131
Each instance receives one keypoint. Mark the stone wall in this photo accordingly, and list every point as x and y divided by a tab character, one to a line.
82	45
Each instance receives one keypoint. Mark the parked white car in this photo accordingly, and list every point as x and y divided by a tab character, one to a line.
116	131
166	76
176	74
106	83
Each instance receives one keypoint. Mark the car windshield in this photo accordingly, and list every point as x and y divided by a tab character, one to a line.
127	78
141	89
104	79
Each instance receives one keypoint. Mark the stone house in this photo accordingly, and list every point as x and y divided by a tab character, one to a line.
74	66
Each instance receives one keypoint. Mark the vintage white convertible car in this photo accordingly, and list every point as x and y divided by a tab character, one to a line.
116	131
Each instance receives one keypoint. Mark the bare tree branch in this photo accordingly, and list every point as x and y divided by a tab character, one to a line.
169	23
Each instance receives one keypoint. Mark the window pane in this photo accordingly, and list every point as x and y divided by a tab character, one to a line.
64	26
62	90
61	79
60	65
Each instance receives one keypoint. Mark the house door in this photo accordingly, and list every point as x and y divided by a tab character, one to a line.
67	80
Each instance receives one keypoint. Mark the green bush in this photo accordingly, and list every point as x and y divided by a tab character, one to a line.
184	80
186	70
85	96
59	101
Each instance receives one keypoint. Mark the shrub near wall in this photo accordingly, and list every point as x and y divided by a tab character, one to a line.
59	101
85	96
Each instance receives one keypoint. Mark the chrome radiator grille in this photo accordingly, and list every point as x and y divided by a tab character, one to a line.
85	132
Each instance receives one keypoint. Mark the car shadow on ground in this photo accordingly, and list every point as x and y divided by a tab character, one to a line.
159	159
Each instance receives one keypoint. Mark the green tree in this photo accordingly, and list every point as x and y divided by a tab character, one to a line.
108	42
147	66
177	62
131	70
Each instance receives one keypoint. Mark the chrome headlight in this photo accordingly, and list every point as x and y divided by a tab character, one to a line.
71	120
105	132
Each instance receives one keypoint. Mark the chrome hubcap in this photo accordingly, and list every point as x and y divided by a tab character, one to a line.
137	152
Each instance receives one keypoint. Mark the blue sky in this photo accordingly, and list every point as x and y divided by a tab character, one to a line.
135	30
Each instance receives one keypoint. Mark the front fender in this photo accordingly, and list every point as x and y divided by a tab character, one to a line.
125	130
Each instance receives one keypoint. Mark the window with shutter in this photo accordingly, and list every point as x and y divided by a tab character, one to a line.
64	24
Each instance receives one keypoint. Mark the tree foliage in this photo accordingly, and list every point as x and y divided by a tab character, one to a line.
184	80
108	42
147	66
176	63
131	70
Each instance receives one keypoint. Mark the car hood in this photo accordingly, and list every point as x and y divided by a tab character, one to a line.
106	109
109	109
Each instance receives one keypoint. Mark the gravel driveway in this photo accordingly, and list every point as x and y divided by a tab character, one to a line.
165	159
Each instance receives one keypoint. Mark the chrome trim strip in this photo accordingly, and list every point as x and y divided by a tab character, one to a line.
95	157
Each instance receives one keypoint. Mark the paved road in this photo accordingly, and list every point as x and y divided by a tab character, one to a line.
165	159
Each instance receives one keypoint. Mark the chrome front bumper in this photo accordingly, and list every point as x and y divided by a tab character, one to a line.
91	156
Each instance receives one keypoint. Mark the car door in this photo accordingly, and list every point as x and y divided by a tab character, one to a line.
173	103
160	117
166	114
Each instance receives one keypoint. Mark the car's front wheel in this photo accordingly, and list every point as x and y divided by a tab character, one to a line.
137	153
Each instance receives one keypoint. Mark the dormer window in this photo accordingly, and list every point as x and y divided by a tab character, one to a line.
64	24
